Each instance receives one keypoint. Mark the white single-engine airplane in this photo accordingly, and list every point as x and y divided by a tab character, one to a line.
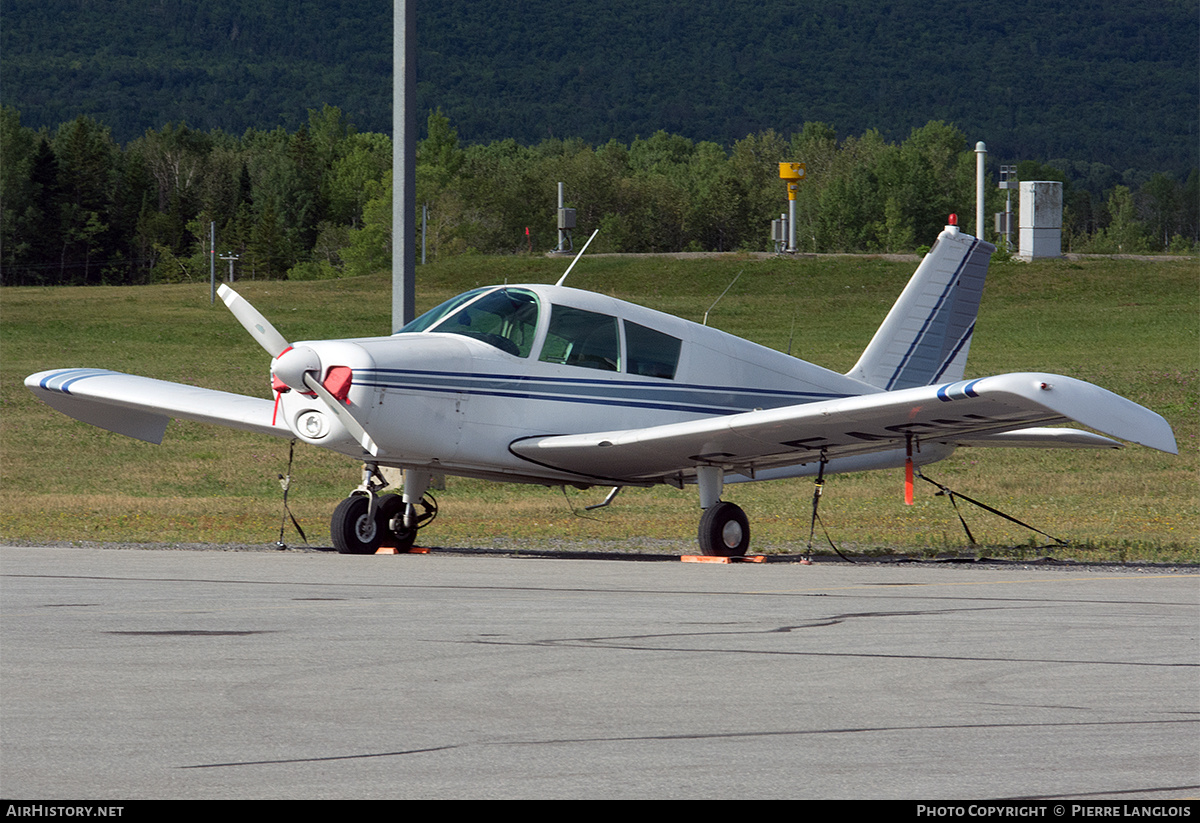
558	386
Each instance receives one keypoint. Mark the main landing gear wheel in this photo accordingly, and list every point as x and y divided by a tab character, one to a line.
724	531
353	530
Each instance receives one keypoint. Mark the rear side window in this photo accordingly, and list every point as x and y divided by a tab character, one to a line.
582	338
650	353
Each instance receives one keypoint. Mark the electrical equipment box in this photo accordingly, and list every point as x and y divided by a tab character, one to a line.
779	231
1040	223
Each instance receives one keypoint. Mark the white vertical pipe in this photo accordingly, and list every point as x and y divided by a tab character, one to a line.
791	225
980	155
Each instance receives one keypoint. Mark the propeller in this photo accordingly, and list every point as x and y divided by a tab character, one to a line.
296	367
252	321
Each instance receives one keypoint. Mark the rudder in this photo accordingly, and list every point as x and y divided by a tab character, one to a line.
926	336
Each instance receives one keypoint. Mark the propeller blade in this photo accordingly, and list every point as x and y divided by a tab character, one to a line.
252	321
342	413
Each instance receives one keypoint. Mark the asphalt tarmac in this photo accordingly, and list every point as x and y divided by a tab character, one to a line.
153	673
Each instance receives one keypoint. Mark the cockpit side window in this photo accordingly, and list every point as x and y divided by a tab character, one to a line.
650	353
582	338
504	318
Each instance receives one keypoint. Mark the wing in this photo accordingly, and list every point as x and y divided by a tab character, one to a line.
141	407
990	411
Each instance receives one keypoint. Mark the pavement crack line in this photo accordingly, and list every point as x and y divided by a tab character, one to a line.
679	737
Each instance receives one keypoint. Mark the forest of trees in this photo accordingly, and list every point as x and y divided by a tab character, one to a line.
1108	81
78	208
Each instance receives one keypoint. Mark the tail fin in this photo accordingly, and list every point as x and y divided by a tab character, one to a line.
925	337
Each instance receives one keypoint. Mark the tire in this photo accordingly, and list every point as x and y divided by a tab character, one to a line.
391	523
353	532
724	531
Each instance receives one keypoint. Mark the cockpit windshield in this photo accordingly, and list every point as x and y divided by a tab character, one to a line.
431	317
505	318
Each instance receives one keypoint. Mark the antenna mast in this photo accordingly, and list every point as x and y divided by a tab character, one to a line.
576	260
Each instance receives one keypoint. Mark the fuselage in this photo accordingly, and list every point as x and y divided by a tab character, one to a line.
452	390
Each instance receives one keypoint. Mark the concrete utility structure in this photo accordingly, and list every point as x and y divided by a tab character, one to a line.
1040	231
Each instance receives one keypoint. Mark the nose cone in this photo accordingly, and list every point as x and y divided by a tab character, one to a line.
332	396
290	366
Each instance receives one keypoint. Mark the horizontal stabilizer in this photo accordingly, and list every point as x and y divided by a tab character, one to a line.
140	407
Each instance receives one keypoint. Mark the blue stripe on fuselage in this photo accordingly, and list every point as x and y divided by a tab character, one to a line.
624	393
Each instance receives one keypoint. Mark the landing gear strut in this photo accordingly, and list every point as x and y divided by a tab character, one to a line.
393	519
724	529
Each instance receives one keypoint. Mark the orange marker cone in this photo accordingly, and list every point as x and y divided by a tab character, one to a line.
908	472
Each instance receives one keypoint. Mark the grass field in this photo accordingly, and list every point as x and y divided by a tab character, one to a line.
1132	327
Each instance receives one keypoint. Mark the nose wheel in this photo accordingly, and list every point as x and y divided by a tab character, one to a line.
355	527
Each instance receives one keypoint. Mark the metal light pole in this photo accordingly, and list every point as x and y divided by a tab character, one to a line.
1008	182
212	262
404	161
230	256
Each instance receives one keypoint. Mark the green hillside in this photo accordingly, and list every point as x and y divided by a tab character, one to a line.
1106	81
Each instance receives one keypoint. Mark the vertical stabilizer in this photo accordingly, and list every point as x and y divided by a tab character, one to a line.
925	337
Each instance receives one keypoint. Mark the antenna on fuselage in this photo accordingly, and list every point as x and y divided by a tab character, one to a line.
576	260
718	300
